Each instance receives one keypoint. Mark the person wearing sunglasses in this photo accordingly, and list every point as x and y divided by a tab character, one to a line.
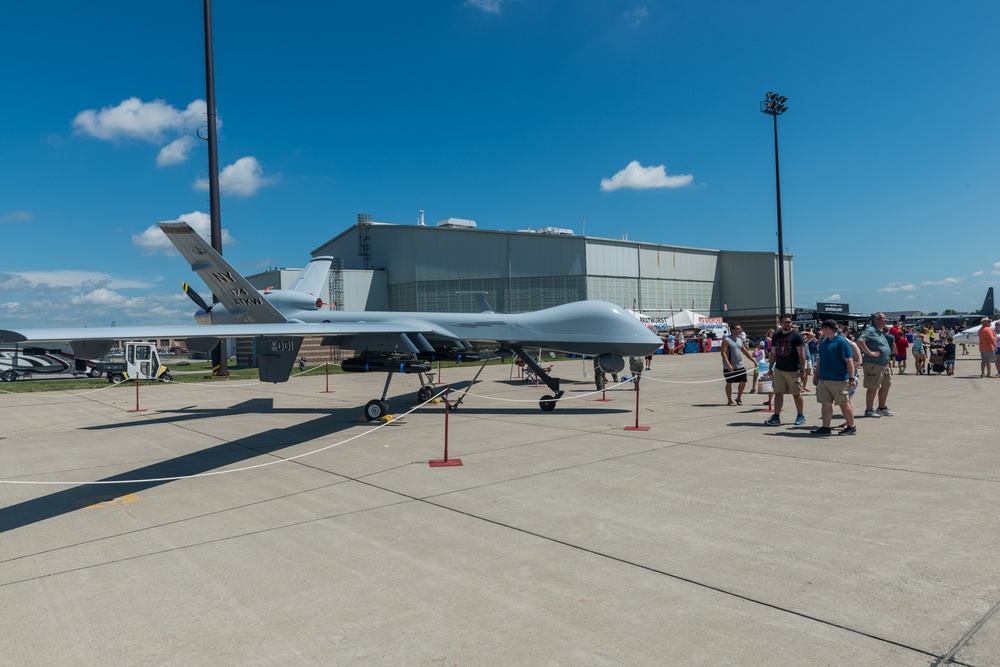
788	370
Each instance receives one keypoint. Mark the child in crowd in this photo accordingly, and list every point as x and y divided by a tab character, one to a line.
759	356
949	356
902	343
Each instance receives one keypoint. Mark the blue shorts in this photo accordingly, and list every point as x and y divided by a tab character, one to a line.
900	357
949	362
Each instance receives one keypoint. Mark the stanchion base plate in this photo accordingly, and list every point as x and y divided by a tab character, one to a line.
637	428
330	391
442	463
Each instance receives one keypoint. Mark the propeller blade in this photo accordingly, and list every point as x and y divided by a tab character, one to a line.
196	297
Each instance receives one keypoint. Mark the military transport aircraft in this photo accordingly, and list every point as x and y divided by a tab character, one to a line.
957	318
389	342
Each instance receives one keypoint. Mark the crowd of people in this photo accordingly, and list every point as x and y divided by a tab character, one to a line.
839	360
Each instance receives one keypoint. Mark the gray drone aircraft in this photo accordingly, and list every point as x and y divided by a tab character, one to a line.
387	342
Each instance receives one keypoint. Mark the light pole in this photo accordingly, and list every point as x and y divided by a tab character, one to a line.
774	105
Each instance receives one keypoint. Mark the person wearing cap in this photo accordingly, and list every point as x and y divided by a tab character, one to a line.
834	377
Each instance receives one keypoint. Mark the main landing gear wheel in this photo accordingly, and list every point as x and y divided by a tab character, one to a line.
424	393
375	409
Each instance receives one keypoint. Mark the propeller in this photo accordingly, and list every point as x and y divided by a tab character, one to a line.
196	298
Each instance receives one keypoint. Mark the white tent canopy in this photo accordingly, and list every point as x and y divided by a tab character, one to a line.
685	319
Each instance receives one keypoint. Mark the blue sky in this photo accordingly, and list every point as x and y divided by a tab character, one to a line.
641	116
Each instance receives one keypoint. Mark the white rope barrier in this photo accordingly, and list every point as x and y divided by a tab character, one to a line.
223	472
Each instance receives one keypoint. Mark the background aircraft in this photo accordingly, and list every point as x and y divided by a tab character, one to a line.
387	342
951	320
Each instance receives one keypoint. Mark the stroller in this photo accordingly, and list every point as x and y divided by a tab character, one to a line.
936	361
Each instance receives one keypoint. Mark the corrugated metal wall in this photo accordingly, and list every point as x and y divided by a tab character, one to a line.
425	267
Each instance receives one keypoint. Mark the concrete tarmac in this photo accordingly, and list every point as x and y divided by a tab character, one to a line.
265	524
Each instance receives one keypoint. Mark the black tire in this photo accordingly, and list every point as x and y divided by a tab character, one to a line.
116	378
547	403
94	373
167	377
9	376
425	393
375	410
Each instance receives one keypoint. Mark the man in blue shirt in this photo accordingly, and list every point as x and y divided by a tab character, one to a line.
834	378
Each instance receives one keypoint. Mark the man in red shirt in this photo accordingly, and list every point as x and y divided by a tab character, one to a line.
987	348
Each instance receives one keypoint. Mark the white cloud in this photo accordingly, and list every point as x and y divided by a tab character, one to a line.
832	297
17	216
487	6
240	179
635	17
135	119
637	177
939	283
996	269
977	273
63	278
153	240
899	287
175	152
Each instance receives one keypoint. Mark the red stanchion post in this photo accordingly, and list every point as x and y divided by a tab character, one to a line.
137	396
328	360
604	392
446	462
636	427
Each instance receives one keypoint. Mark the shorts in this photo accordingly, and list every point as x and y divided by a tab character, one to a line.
917	351
876	376
900	357
833	391
786	382
989	355
735	375
949	363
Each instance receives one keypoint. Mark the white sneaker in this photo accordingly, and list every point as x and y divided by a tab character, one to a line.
872	413
884	412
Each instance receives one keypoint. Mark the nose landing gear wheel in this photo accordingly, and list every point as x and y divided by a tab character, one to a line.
425	393
375	409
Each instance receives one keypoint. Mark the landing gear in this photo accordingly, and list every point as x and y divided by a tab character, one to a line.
376	409
424	393
547	403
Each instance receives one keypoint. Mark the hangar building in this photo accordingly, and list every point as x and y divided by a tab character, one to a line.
383	266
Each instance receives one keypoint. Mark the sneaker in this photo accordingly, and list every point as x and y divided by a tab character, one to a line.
753	391
885	412
872	413
800	420
774	420
822	430
848	430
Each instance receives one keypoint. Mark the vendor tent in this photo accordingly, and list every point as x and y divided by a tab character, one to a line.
685	319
